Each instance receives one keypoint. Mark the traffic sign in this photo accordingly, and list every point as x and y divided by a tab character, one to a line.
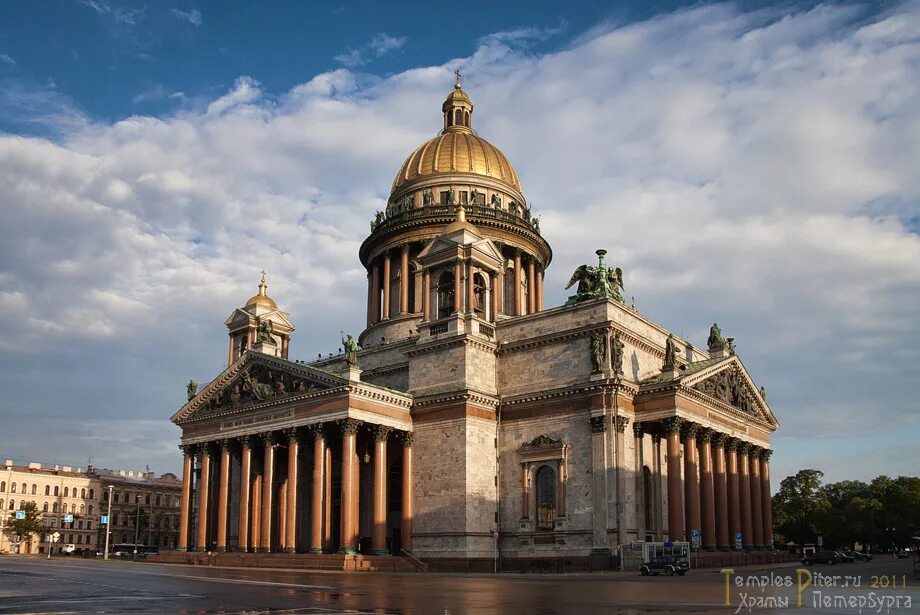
738	544
20	514
55	537
68	518
820	541
695	539
104	519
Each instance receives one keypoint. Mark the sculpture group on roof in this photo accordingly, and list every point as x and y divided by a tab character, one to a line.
596	282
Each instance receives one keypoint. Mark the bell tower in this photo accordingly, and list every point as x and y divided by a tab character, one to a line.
259	326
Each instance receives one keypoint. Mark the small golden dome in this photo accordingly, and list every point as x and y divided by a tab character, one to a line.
459	223
456	152
262	298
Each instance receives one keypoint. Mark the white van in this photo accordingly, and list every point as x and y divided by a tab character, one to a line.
68	548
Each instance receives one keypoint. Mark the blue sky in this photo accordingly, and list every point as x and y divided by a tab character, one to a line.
752	164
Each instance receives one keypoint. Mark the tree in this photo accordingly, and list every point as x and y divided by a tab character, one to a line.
31	524
800	506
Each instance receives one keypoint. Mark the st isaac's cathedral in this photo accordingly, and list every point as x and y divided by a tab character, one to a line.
468	419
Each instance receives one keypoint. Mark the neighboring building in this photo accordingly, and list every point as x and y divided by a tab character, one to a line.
471	409
157	499
58	491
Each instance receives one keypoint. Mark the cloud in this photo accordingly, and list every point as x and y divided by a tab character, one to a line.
7	60
752	168
157	92
120	15
380	45
193	16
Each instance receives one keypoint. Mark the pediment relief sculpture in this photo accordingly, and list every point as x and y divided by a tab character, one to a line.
542	441
257	383
731	387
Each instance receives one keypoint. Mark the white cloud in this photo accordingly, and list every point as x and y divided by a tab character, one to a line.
7	60
741	167
157	92
380	45
193	16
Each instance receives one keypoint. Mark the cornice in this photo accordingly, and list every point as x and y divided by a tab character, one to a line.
466	395
571	390
460	339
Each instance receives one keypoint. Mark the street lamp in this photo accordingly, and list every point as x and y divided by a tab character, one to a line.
137	523
108	524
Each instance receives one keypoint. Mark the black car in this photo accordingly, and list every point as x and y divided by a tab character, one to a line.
844	557
866	557
821	557
666	564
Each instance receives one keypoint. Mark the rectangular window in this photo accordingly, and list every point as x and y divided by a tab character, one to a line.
443	202
464	197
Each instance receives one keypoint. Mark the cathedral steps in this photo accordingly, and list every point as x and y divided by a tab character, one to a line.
301	561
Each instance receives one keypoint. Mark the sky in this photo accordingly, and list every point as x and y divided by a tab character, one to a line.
753	164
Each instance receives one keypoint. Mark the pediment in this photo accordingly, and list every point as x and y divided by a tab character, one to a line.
252	380
542	448
241	317
483	249
728	382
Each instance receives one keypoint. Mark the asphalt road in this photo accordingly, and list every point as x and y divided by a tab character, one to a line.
34	585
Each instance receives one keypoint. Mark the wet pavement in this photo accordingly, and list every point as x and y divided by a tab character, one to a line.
35	585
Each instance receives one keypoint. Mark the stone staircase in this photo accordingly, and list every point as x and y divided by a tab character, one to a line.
301	561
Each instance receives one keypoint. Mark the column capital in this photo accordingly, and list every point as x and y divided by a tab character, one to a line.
765	454
690	430
404	247
225	444
620	422
270	438
290	434
381	432
705	435
656	438
188	450
671	424
407	438
755	452
743	447
349	426
318	430
638	429
598	424
720	439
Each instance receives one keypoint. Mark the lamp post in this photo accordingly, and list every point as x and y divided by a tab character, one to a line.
108	524
137	523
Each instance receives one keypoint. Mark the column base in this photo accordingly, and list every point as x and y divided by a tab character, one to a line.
292	550
181	549
263	550
220	549
316	550
380	551
348	551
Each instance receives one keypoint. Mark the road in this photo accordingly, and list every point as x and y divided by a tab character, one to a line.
35	585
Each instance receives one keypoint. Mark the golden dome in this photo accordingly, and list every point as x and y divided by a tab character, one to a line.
459	223
262	298
456	152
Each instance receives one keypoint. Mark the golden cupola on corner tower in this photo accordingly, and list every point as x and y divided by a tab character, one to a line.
455	170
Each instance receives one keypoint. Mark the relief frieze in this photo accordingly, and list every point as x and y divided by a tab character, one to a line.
730	386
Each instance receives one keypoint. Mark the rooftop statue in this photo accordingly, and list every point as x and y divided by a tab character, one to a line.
450	196
596	282
351	349
426	197
192	389
265	333
670	353
716	341
616	353
496	201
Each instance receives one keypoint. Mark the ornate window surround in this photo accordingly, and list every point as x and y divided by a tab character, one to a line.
542	451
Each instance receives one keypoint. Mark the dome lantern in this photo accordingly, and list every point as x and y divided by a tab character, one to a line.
457	109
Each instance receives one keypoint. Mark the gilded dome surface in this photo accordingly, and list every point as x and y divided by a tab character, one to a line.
456	151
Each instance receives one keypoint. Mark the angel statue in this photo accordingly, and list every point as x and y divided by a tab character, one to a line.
715	341
585	276
265	333
615	284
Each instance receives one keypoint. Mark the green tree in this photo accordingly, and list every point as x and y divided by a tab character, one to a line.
800	507
143	519
25	528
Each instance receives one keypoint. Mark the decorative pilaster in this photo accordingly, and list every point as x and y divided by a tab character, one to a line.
619	424
531	287
406	514
671	427
599	523
518	305
379	531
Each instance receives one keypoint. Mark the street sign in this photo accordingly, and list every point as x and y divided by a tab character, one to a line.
68	518
55	537
20	514
820	541
104	519
695	539
738	544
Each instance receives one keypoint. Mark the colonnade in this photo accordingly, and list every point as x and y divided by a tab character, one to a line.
717	485
278	507
413	288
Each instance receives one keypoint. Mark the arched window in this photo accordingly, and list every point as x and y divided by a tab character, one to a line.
90	509
445	294
12	487
24	489
83	493
2	486
458	117
158	500
73	508
480	295
66	492
147	500
12	504
509	291
466	119
546	497
82	509
45	507
450	119
34	489
47	489
56	492
647	491
22	504
92	494
54	507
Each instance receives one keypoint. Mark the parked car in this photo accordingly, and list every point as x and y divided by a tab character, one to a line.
666	564
845	558
821	557
856	555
